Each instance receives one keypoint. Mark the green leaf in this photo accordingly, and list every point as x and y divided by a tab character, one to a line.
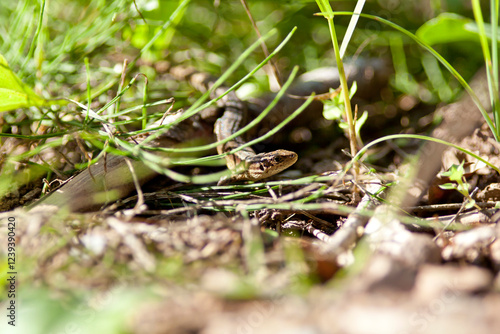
13	92
360	122
448	186
448	28
352	90
455	172
332	111
334	108
470	204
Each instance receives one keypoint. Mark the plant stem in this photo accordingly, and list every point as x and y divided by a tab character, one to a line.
345	92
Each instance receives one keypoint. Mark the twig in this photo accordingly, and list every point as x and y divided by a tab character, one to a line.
447	206
466	219
287	208
353	228
317	233
272	193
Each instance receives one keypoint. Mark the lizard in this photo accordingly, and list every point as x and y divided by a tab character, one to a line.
109	177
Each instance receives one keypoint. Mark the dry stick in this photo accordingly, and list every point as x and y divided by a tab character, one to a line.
352	229
462	208
211	203
137	185
324	208
300	193
272	193
446	207
466	219
322	222
169	110
274	69
317	233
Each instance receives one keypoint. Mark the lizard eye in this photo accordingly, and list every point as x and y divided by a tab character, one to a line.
279	158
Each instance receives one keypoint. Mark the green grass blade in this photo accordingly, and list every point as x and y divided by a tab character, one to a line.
351	27
35	41
426	138
192	111
494	41
326	9
250	125
492	84
174	18
440	58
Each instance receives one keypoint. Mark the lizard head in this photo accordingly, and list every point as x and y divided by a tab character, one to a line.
265	165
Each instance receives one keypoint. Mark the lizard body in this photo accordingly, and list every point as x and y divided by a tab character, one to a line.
110	178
